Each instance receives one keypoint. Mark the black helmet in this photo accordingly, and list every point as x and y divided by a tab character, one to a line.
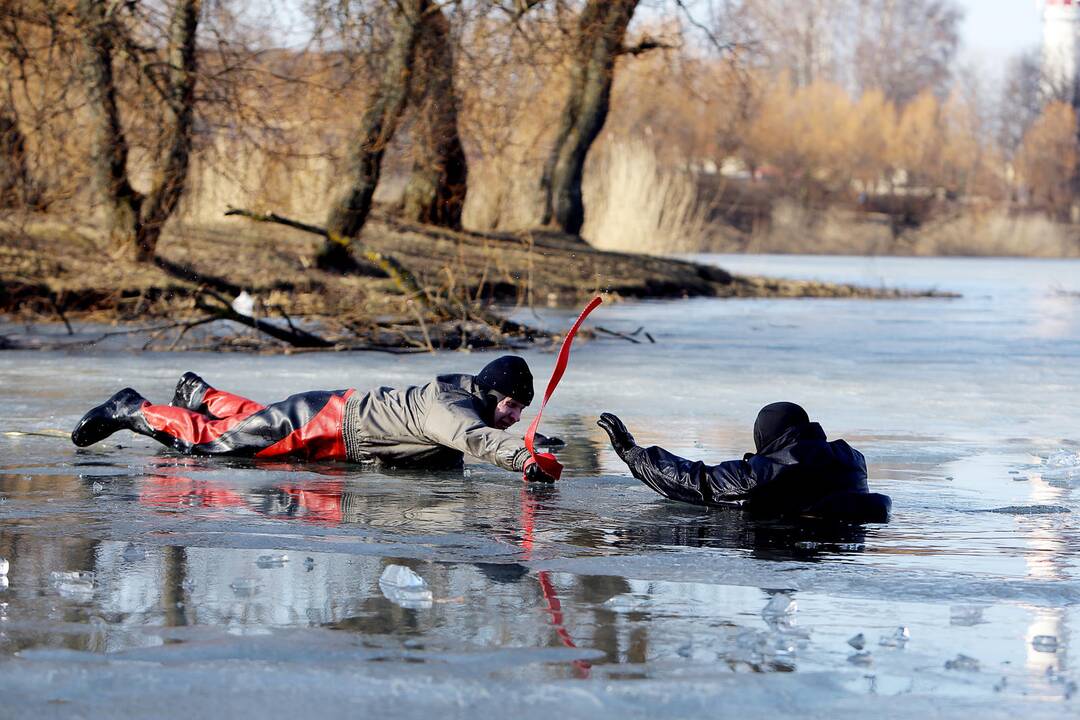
510	376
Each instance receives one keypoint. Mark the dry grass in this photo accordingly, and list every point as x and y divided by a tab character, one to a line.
634	204
794	228
997	233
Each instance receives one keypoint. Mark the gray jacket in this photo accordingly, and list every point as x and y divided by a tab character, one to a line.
428	426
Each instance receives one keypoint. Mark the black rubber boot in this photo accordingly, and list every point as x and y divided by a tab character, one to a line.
189	393
120	412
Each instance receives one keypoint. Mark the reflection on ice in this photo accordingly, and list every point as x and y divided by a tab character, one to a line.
78	586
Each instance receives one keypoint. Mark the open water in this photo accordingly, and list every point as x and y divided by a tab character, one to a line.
143	584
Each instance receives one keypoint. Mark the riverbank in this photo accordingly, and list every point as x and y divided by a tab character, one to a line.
52	272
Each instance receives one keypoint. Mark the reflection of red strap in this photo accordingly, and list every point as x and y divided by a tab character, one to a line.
556	376
582	668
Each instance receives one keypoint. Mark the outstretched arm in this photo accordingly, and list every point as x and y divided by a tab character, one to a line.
453	422
676	477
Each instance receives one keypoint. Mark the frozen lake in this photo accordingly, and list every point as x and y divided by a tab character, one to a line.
144	584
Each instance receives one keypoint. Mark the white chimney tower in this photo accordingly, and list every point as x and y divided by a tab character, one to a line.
1061	49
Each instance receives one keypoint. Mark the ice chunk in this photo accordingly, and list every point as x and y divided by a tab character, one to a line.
244	587
861	658
965	615
1045	643
96	488
857	641
695	651
404	587
962	662
898	639
74	585
272	561
626	603
4	566
779	605
1063	458
309	564
850	547
244	303
134	553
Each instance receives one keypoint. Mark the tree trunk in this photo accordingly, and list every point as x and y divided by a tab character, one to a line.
435	193
109	145
135	221
377	127
16	186
600	34
179	114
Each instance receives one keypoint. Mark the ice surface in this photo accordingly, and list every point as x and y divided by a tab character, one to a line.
597	598
401	586
780	605
962	662
272	560
244	587
965	615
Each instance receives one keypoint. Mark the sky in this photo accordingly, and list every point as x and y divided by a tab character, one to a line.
995	30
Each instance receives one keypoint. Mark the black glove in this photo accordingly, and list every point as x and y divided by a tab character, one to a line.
545	441
533	472
621	439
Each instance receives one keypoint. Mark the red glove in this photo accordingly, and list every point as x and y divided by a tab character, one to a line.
543	468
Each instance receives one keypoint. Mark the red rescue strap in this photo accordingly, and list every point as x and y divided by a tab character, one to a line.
547	461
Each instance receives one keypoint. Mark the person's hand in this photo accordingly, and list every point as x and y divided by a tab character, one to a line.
543	468
621	439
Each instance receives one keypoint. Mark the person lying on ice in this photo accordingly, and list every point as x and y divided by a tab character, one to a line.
428	426
795	471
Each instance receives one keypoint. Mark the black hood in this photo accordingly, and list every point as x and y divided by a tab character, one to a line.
800	466
776	420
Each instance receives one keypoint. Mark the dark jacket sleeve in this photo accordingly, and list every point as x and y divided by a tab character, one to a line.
690	481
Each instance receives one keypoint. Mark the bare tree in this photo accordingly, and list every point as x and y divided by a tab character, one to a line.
35	81
600	33
805	38
435	193
376	129
1021	100
906	46
135	220
17	188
